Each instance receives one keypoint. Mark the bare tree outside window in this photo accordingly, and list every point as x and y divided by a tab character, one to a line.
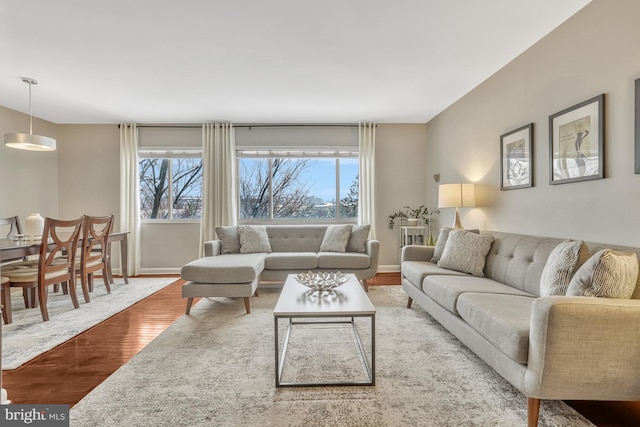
185	198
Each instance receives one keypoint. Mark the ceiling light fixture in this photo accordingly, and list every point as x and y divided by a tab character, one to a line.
29	141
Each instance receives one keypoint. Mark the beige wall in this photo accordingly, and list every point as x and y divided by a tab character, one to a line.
592	53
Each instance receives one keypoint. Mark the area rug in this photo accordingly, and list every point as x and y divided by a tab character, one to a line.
215	367
28	336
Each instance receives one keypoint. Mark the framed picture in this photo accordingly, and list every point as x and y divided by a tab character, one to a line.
516	170
576	142
637	126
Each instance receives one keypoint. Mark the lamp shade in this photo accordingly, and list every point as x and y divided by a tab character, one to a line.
27	141
456	195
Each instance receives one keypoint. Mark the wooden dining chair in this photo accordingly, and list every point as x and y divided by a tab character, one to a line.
56	264
6	300
94	251
14	226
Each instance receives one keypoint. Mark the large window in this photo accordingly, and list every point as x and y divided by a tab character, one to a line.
291	185
170	187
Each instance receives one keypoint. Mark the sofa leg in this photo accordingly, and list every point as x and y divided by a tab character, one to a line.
189	302
246	305
365	285
255	294
409	302
533	411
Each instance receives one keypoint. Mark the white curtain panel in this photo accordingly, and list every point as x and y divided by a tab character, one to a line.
219	205
367	161
130	194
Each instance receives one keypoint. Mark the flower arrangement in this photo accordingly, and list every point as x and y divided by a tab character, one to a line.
422	212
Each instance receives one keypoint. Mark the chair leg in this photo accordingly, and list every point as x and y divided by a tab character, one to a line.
105	279
73	293
246	305
533	411
6	304
25	297
409	302
42	299
85	288
189	302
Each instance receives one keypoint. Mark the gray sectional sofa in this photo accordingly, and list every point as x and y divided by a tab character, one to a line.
230	268
548	347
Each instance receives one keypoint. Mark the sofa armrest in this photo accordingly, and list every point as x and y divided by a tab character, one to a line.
584	348
416	253
212	248
372	248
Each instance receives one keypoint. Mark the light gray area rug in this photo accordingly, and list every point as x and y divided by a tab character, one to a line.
28	336
216	368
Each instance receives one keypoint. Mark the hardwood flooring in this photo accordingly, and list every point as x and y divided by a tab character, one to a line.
70	371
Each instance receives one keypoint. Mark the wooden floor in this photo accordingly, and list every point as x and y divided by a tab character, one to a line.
70	371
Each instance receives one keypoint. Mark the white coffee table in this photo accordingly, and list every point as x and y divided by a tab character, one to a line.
349	302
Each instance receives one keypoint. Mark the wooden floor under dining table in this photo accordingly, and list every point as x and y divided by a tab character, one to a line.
17	248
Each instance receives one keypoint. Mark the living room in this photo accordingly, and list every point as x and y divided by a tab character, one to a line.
588	55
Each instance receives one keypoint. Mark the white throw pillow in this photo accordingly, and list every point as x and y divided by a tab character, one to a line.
336	238
607	274
253	239
466	252
442	241
229	239
564	260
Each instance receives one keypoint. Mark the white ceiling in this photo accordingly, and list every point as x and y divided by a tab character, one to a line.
286	61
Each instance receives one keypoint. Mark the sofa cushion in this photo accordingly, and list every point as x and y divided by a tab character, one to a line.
229	239
442	241
346	261
231	268
416	271
504	320
358	238
466	252
564	260
608	274
445	290
253	239
291	261
295	238
336	238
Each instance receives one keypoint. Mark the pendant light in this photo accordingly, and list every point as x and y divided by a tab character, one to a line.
29	141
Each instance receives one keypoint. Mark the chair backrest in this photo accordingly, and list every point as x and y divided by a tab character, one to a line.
95	237
58	248
14	226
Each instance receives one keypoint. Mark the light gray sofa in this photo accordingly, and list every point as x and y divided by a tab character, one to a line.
225	272
549	347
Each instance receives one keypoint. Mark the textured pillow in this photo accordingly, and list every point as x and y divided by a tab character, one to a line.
336	238
253	238
466	252
442	241
564	260
358	238
607	274
229	239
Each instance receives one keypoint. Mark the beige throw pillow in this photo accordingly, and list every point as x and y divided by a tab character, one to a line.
442	241
358	238
607	274
253	239
229	239
336	238
564	260
466	252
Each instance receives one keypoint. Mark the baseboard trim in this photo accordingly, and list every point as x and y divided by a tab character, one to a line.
388	268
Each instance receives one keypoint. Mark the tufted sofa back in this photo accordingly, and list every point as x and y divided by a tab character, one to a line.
296	238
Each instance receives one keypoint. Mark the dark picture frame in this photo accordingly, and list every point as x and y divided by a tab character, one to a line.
576	142
637	127
516	158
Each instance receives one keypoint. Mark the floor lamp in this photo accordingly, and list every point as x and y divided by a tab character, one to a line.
456	196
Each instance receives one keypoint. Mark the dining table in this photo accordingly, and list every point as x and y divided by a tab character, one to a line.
12	249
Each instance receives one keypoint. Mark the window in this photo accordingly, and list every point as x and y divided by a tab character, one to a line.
170	185
298	185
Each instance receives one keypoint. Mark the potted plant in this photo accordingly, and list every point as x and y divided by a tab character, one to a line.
420	213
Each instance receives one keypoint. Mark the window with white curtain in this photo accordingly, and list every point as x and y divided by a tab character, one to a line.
170	169
289	172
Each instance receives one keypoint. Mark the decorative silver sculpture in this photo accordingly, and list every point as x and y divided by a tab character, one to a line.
322	281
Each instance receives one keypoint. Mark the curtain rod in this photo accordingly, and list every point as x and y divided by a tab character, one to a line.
259	125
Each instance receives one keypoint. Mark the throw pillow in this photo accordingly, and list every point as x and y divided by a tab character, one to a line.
358	238
564	260
336	238
466	252
229	239
607	274
442	241
253	238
